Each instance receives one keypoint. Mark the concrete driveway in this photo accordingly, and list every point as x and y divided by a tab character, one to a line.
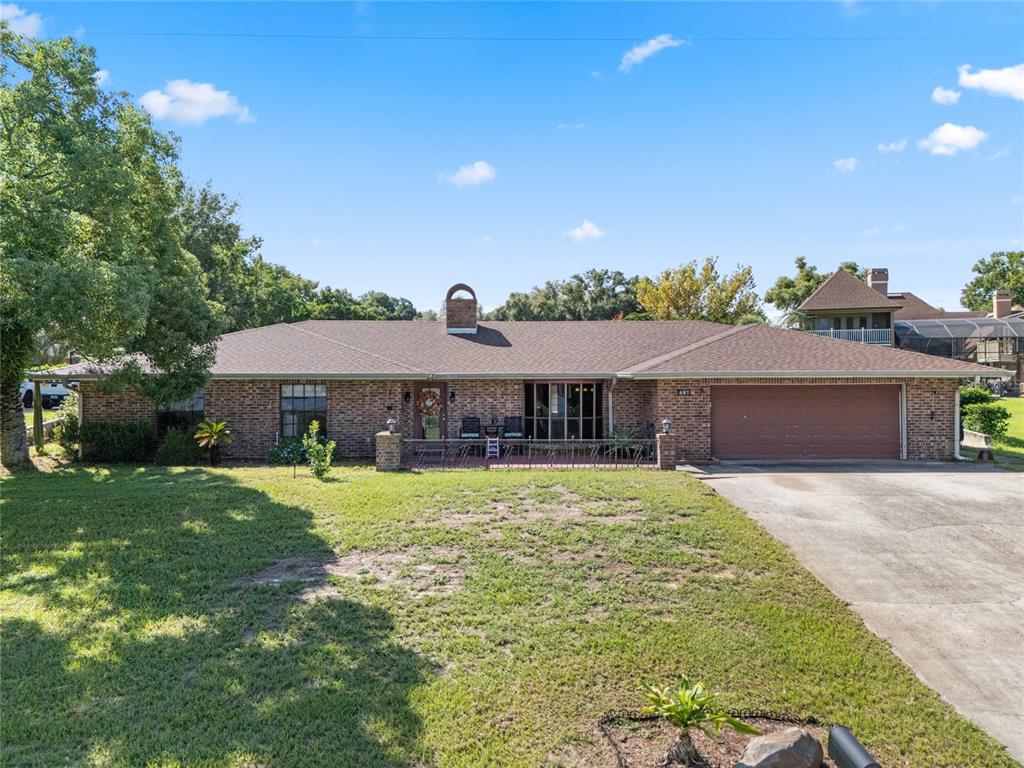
930	555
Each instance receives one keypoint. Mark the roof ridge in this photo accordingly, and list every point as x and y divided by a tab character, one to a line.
664	358
355	348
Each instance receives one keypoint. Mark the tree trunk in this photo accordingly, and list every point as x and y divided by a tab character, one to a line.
13	438
683	753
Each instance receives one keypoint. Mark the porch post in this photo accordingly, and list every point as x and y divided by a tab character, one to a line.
37	417
389	451
666	444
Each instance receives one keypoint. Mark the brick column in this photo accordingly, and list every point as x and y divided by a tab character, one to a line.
389	451
667	445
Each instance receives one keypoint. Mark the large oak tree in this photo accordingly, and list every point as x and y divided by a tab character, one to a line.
1003	269
90	243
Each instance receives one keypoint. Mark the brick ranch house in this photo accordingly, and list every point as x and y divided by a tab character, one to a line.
732	392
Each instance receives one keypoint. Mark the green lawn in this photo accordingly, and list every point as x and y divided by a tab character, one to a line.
47	415
470	618
1009	451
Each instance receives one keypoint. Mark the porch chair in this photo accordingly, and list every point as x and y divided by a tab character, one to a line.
470	428
513	427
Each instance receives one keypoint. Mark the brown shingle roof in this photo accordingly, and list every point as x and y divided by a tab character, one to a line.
843	291
579	349
765	351
913	307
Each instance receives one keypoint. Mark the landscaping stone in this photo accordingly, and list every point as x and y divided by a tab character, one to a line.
790	748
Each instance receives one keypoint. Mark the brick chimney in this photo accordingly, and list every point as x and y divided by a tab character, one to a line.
1002	306
460	313
878	278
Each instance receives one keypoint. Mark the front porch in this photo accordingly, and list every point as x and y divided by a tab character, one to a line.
525	453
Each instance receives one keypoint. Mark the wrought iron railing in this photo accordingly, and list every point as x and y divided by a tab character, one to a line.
518	453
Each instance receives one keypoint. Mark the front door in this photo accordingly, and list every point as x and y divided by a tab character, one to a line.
430	411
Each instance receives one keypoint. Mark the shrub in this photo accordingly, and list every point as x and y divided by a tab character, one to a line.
66	430
213	434
318	451
690	705
289	451
116	442
973	395
178	449
989	418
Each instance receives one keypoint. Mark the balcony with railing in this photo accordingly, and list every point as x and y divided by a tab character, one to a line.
882	336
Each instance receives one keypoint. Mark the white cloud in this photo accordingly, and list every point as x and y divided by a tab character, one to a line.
21	21
191	103
571	126
1008	81
471	175
944	96
948	139
893	146
871	232
101	77
588	230
644	51
846	164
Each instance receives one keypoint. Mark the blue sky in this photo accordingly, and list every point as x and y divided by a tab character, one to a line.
747	131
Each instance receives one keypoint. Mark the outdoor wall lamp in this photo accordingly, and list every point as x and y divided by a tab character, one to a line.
847	752
407	396
451	396
666	425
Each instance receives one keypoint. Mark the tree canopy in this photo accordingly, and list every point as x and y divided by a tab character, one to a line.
91	247
1003	269
698	292
597	294
788	293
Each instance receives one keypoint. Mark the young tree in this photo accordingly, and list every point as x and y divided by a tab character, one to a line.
697	292
90	247
1003	269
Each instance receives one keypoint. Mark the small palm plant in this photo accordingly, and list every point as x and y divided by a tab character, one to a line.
213	434
689	705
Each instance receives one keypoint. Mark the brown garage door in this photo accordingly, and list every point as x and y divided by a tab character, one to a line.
860	421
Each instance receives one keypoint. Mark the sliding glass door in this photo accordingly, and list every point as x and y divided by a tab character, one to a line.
569	410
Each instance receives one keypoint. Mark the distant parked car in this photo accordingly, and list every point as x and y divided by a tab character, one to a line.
52	393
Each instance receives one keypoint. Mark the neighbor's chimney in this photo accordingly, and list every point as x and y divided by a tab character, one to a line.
878	278
460	313
1002	306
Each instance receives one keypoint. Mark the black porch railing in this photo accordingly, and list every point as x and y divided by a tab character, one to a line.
518	453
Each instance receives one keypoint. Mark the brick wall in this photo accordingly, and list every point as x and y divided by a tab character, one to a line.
488	399
357	410
931	417
632	405
123	406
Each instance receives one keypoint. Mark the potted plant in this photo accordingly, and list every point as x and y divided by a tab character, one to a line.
213	434
690	705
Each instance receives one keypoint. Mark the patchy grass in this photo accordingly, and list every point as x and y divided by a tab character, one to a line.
241	617
48	414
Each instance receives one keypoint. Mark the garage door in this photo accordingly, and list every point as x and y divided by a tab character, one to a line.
805	422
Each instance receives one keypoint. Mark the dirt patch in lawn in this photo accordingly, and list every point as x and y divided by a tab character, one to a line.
644	744
556	504
424	571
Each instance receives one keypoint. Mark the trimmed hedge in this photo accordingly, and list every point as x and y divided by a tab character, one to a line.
989	418
117	442
178	449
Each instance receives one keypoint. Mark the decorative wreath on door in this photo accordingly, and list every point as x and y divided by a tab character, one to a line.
429	403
